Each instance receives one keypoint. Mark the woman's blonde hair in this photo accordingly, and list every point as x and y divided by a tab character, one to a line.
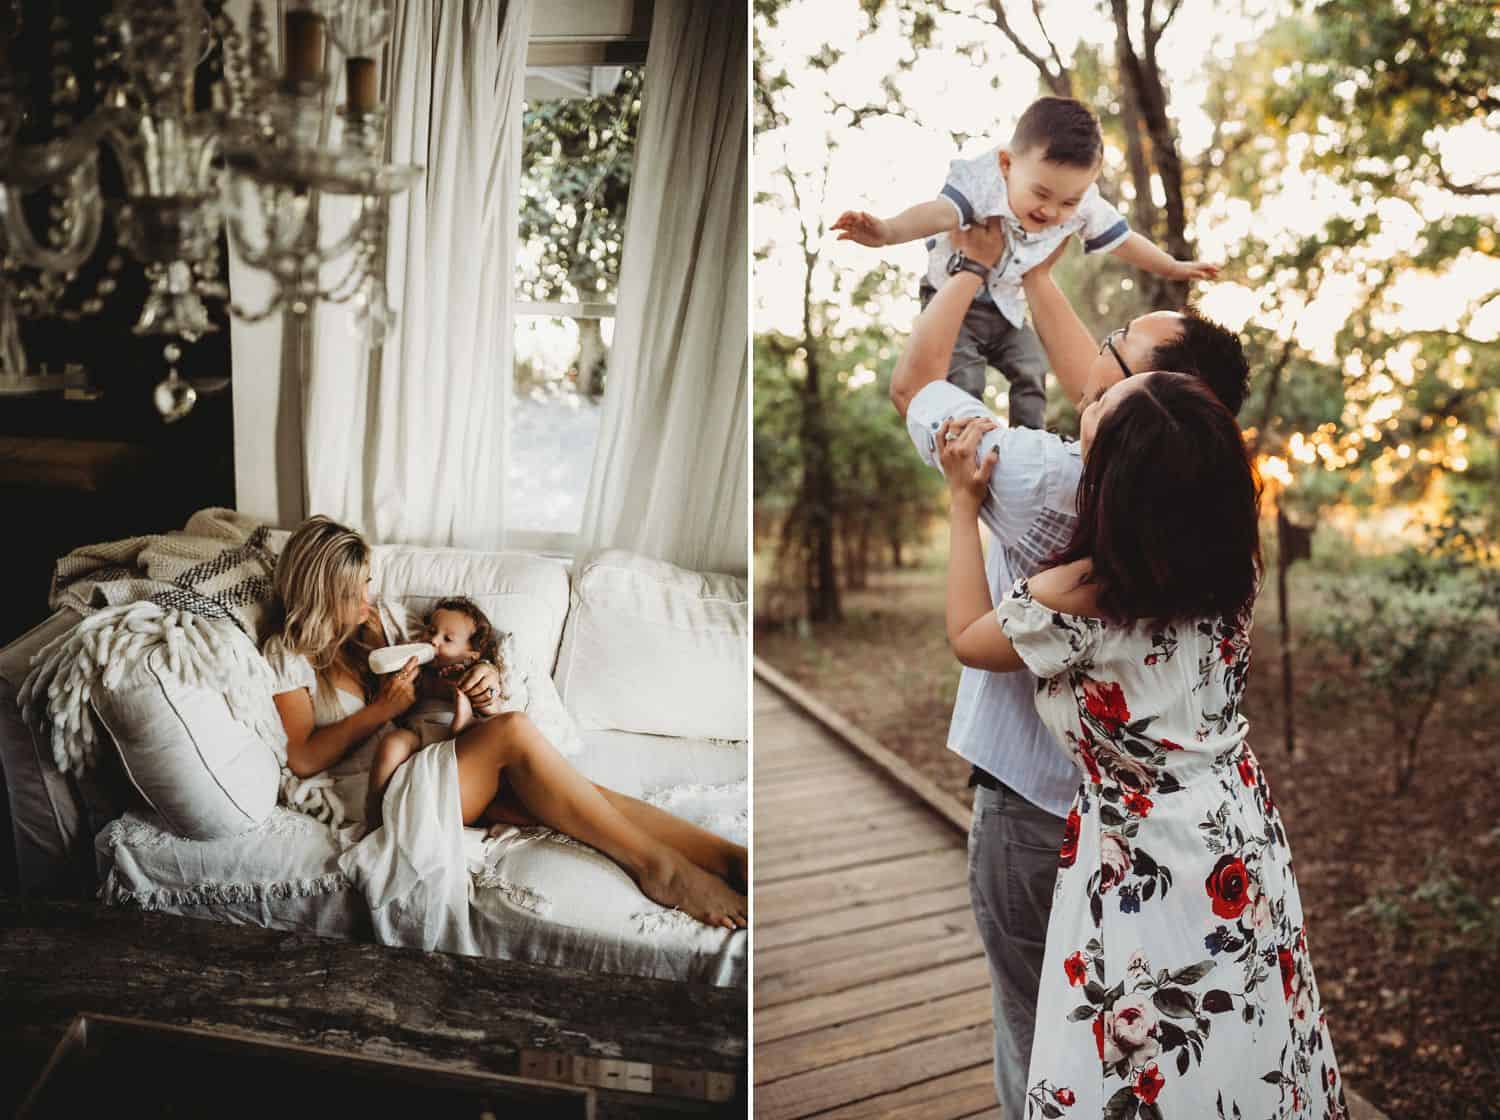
322	565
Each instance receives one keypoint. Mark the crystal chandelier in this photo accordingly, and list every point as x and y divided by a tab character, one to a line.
255	165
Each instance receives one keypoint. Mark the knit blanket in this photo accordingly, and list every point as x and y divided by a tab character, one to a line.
219	566
203	596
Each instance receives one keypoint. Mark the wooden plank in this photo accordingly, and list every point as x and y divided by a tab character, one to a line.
943	1098
840	923
794	771
835	976
818	802
876	1034
771	963
821	1089
901	771
812	1014
772	832
843	852
835	890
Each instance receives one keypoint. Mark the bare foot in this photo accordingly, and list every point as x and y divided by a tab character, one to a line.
676	882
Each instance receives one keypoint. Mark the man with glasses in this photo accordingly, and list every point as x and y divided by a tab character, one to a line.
1023	784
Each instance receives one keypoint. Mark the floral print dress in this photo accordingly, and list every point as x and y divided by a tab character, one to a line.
1177	981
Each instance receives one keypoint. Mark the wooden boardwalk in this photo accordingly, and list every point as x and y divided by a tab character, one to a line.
872	997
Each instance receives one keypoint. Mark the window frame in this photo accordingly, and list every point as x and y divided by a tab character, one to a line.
565	52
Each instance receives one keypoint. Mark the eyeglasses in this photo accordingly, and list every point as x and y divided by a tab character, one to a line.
1109	344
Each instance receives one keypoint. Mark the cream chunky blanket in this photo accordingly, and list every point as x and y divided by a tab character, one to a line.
203	595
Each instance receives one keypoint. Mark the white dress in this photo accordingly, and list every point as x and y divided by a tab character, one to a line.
414	870
1177	981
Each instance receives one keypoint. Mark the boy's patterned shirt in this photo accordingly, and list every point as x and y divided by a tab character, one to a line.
976	190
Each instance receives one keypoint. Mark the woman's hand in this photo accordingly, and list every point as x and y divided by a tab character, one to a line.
481	684
958	442
398	690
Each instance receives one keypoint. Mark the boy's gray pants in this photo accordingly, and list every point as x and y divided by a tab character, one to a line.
1013	861
988	338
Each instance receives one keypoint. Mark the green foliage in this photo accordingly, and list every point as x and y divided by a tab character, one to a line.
1444	912
1425	625
884	494
578	152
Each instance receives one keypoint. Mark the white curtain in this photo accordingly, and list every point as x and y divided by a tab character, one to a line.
410	444
670	475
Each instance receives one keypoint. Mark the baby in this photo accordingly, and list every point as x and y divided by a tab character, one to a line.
1041	187
460	635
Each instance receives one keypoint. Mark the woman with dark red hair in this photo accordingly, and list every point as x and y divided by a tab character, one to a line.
1177	981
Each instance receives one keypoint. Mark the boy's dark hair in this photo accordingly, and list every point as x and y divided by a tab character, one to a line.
1169	507
1210	351
1066	130
486	639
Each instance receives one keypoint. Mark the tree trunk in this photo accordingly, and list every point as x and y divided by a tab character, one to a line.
593	358
1144	105
818	491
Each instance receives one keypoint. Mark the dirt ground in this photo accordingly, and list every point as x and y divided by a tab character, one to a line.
1412	1000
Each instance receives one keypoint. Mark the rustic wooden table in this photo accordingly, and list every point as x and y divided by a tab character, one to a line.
684	1043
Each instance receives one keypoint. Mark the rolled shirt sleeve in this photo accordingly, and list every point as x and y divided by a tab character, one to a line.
1027	475
970	188
1104	227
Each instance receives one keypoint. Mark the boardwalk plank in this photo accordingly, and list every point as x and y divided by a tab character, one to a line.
852	1005
839	923
773	833
835	853
834	890
877	1034
817	1090
835	976
771	963
949	1098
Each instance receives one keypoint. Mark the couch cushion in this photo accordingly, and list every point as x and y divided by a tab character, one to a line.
654	648
526	595
207	774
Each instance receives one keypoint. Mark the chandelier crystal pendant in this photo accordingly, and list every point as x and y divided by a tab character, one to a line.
255	165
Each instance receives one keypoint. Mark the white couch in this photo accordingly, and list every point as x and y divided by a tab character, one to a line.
650	660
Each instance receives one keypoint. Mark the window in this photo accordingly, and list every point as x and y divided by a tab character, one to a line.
578	149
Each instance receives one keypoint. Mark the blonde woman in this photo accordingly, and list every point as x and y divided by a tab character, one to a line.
331	705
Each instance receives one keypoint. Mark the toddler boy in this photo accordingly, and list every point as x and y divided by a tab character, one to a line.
1041	188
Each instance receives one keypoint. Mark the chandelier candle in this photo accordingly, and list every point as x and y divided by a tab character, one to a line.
360	77
304	46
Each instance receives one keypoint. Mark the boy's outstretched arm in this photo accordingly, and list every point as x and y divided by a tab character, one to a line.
1140	252
925	219
930	349
1070	348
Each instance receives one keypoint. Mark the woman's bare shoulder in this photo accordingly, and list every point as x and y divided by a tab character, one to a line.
1065	588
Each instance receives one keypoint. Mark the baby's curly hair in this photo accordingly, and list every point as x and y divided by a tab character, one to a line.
485	641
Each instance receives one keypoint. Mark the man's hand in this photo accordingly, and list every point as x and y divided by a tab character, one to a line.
863	228
982	242
1194	270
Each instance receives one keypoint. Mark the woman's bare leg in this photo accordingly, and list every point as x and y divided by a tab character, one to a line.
564	799
709	851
